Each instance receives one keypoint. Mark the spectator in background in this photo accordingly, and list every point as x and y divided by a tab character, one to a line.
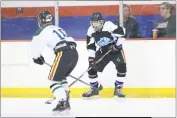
130	23
166	26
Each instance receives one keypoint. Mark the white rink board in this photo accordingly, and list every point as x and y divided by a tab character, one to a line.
150	64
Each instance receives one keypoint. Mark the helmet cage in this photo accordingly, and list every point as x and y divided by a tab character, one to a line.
97	24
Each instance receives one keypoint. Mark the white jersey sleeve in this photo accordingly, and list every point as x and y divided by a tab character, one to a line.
117	32
90	31
37	45
109	26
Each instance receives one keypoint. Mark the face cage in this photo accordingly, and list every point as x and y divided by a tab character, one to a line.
40	24
97	25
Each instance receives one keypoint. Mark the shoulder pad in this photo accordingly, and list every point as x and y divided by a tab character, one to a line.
90	31
109	26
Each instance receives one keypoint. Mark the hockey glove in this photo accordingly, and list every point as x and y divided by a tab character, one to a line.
91	61
40	60
113	48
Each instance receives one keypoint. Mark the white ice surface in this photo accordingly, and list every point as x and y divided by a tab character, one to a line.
130	107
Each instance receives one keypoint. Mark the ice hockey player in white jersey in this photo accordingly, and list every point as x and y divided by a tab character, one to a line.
65	61
107	36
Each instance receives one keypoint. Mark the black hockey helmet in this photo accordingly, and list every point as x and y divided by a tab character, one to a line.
44	18
97	21
96	16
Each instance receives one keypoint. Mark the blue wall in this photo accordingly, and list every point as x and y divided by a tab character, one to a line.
24	28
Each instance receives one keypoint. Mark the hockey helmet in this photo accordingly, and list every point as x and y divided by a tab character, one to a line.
44	18
97	21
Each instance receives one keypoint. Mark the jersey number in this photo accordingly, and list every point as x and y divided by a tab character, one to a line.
60	33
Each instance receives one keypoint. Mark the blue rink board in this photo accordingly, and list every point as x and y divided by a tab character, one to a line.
24	28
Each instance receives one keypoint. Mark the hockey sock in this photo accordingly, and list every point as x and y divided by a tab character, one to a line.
58	91
94	82
64	83
120	80
119	83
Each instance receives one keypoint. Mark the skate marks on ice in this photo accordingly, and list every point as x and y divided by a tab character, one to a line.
130	107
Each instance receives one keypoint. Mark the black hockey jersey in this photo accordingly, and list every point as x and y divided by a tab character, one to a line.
109	34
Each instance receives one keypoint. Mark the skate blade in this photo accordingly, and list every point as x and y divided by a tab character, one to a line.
65	112
117	97
91	98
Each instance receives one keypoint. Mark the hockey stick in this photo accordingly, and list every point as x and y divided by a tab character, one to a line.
50	100
76	79
79	78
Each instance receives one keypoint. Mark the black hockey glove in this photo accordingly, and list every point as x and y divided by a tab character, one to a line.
113	48
91	61
40	60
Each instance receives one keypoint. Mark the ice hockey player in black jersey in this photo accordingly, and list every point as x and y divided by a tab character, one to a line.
107	36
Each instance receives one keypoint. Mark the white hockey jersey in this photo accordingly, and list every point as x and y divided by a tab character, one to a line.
49	36
109	34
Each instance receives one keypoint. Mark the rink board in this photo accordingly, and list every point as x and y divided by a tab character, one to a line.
77	92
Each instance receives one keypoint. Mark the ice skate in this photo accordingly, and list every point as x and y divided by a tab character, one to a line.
63	107
92	93
118	92
53	100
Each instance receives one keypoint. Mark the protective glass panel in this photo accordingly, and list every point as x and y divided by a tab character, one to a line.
141	18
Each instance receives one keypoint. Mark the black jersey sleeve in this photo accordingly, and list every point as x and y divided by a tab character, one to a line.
91	45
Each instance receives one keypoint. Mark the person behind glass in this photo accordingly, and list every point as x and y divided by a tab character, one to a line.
130	23
166	26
